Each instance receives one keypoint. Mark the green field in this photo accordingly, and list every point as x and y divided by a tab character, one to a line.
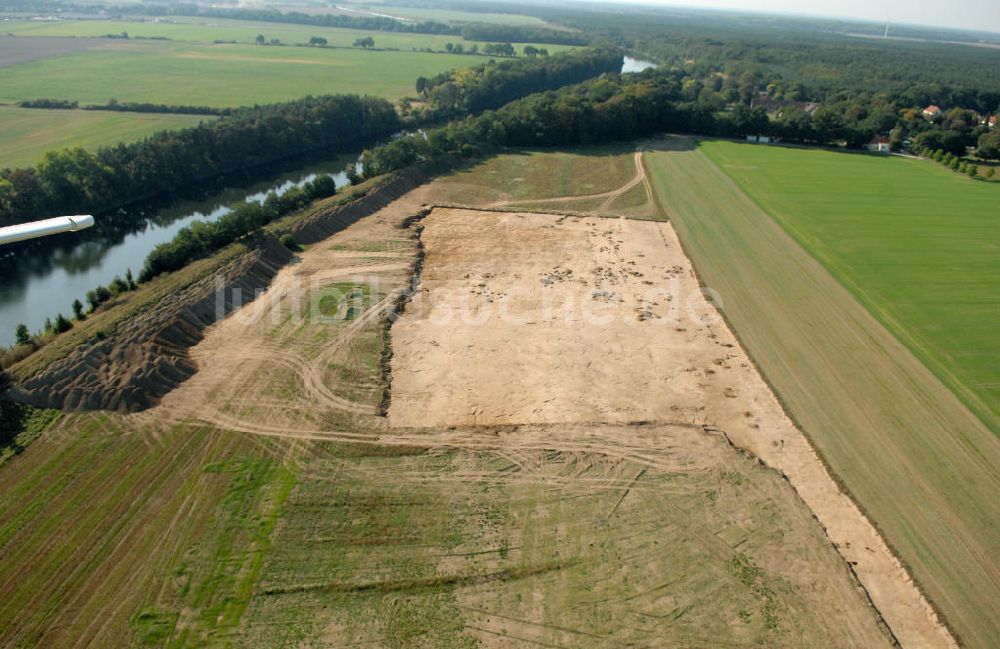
539	174
455	15
26	134
918	244
206	30
913	456
219	75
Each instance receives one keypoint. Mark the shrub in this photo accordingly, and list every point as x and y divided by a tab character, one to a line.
118	286
289	241
61	324
78	309
97	297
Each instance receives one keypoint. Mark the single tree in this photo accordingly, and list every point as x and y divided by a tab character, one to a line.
421	85
22	334
78	309
260	40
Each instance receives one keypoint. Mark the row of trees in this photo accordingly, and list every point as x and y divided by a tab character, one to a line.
499	49
75	180
95	298
124	106
493	84
612	107
203	238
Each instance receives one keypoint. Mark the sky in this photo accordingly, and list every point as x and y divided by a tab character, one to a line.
961	14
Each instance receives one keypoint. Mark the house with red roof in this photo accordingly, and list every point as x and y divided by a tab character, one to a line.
932	113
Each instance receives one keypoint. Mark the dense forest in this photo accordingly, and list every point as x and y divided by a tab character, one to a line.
611	107
493	84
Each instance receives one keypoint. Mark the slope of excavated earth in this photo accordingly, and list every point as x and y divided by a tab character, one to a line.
147	355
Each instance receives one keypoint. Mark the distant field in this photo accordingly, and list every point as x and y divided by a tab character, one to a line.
916	459
456	16
180	28
918	244
219	75
22	50
26	134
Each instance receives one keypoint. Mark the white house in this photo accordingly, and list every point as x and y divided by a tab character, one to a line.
879	145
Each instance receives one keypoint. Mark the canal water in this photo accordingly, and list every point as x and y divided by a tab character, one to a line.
37	283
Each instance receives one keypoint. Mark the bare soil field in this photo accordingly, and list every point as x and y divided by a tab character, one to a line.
561	465
529	318
547	533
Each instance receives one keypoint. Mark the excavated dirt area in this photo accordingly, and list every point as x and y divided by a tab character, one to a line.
526	318
532	335
532	318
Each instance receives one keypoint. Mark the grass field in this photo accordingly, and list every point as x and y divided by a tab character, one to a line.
917	460
918	244
539	174
218	75
180	28
26	134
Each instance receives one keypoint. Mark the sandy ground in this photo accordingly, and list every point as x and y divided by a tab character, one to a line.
530	318
272	367
526	318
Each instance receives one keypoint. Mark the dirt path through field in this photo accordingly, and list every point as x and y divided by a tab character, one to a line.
609	196
526	318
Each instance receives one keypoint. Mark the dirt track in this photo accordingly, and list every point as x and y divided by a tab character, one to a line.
609	196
